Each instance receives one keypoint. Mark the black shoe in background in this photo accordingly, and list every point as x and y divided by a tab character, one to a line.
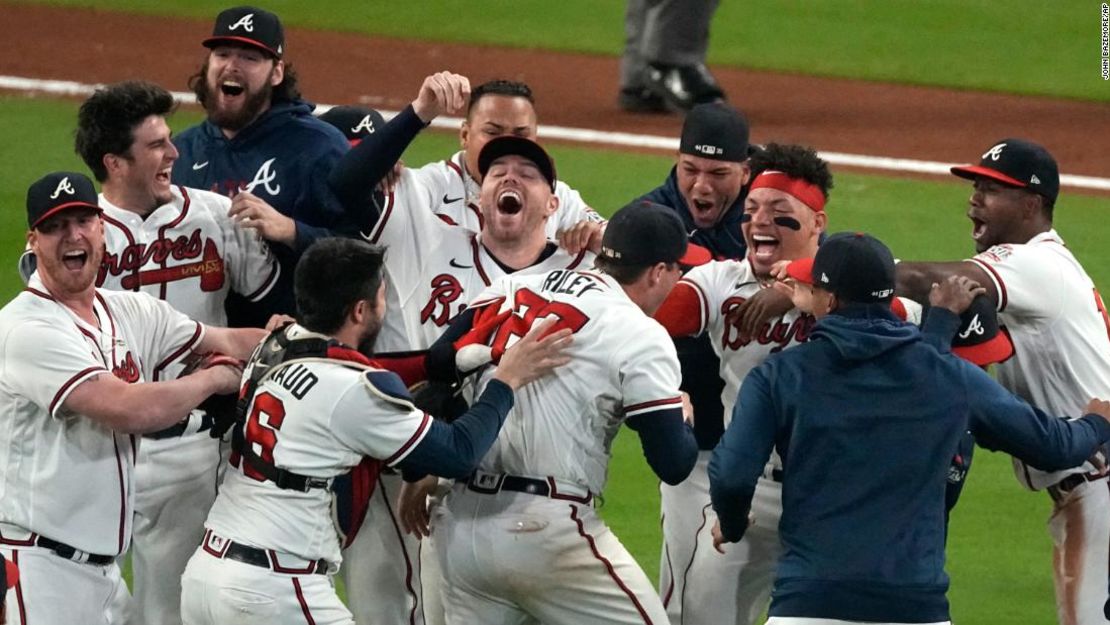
640	100
681	87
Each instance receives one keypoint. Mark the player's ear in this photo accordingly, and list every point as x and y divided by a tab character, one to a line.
820	221
464	132
745	172
552	205
278	74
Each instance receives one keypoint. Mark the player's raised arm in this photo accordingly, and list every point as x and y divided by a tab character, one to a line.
915	280
357	174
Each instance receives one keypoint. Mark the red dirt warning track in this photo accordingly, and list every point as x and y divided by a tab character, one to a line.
572	89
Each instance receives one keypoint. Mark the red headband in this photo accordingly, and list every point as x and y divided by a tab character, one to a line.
807	193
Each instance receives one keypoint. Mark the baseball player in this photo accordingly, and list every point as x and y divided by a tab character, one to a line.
433	270
261	146
520	537
178	245
315	407
81	374
784	216
496	108
1059	328
857	407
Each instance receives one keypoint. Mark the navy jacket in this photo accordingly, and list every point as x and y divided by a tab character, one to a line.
283	157
865	416
700	365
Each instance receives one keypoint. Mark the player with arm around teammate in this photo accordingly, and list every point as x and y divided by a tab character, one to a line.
180	246
1061	335
520	537
77	371
314	407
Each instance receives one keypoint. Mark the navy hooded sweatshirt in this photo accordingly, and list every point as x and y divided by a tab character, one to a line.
865	416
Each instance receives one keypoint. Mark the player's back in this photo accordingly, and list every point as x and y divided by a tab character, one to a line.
622	362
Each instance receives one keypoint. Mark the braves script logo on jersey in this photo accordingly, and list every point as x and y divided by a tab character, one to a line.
63	185
127	370
131	260
246	23
777	333
445	291
264	176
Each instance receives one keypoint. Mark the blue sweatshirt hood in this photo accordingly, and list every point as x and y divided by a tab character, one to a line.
863	331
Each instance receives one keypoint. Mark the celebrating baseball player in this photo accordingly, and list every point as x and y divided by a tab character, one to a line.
180	246
433	270
81	373
314	408
1061	335
520	538
866	405
262	147
494	109
784	216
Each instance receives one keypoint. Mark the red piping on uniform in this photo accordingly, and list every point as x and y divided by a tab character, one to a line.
122	493
412	440
416	600
130	242
162	235
174	356
608	565
1002	299
40	294
380	226
267	285
478	261
70	382
304	605
652	404
693	554
19	591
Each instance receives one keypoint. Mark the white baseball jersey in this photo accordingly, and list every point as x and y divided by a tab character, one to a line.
65	476
455	197
318	419
434	269
1059	327
187	252
623	364
721	286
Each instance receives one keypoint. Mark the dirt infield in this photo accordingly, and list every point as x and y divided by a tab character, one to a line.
571	89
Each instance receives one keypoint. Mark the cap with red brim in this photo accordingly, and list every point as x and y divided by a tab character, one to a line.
695	255
971	172
801	270
998	349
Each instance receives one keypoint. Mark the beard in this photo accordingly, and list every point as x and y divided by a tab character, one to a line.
234	119
369	337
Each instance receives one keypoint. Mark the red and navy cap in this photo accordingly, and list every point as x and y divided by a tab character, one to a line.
9	574
249	26
801	270
355	122
1017	163
644	233
512	145
57	192
980	339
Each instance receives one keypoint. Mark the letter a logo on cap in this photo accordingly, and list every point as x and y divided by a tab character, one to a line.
974	327
994	153
63	185
247	22
366	124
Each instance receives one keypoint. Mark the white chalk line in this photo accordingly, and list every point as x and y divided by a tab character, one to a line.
580	135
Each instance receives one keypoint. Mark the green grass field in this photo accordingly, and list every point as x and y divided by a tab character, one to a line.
1020	46
999	554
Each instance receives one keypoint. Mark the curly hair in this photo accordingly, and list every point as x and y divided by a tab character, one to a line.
796	161
107	120
502	87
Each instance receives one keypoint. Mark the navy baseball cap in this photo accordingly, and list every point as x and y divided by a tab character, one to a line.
57	192
9	574
251	26
512	145
980	339
855	266
715	131
644	233
1017	163
355	122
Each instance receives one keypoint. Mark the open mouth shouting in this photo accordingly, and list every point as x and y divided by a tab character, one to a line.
232	88
75	260
764	247
703	211
509	201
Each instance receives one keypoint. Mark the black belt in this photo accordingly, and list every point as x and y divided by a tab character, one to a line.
72	553
1058	490
175	430
529	485
259	557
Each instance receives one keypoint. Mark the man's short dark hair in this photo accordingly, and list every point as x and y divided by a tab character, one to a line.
107	120
286	90
796	161
624	274
508	88
331	277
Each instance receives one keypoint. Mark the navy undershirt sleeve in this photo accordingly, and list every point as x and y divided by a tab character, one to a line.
668	443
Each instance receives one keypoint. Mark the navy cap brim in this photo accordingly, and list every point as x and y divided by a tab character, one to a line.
212	42
64	207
